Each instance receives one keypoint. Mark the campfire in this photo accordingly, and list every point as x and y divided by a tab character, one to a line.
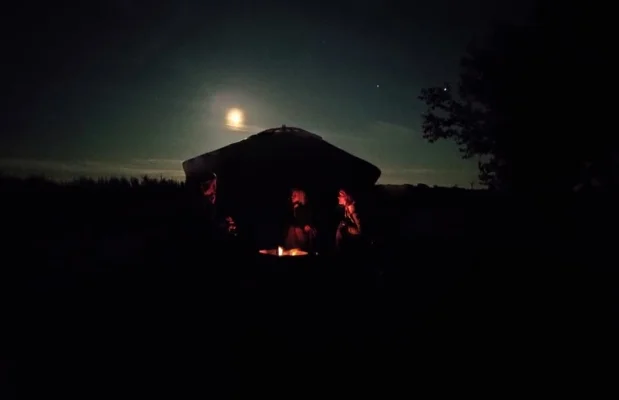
281	252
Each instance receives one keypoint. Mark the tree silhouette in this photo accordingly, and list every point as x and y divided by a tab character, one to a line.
524	108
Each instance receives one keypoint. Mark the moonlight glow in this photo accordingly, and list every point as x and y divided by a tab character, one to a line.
235	118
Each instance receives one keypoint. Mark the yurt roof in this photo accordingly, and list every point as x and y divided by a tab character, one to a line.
285	143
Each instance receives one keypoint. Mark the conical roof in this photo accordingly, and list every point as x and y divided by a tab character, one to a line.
291	156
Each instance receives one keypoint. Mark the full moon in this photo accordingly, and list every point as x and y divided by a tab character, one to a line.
235	118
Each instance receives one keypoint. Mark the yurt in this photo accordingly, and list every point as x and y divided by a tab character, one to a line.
255	175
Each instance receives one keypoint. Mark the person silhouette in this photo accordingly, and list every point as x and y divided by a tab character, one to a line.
348	235
301	232
221	227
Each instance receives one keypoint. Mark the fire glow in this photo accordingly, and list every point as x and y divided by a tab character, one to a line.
281	252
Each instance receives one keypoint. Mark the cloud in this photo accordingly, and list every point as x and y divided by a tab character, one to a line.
222	126
396	130
430	176
243	129
375	132
166	168
410	170
336	138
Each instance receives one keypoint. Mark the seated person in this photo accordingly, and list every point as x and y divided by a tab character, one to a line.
301	232
349	230
221	227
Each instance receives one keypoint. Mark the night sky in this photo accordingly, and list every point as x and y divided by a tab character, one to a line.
135	87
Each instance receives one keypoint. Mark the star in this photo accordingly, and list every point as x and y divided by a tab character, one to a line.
378	86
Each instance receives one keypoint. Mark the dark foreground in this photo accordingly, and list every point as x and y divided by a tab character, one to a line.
431	315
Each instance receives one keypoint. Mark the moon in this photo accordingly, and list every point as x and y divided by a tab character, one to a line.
235	118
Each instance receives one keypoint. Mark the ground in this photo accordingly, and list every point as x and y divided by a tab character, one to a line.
250	325
101	305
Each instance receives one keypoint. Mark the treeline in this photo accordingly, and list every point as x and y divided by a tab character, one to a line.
119	184
43	206
113	184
